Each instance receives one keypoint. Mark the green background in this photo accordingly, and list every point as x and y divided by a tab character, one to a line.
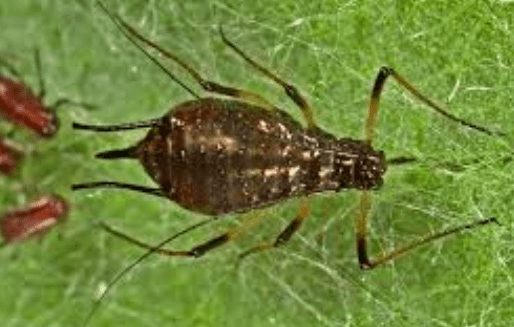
457	52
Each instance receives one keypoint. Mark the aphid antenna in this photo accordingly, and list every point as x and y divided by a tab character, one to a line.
126	31
137	261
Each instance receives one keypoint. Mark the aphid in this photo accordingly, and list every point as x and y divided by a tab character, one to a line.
21	106
37	218
10	154
224	155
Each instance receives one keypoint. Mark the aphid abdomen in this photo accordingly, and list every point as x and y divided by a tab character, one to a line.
21	106
218	156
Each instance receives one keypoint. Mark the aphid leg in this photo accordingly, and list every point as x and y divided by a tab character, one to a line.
126	186
208	86
134	263
196	251
361	231
286	234
290	89
383	74
139	243
118	127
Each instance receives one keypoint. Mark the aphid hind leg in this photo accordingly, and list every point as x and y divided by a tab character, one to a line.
208	86
291	91
286	234
383	74
367	263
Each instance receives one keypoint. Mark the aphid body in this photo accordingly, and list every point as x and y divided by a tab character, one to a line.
21	106
35	219
218	156
222	155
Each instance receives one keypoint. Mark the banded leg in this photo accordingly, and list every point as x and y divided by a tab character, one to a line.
196	252
126	186
291	91
361	234
383	74
140	259
208	86
286	234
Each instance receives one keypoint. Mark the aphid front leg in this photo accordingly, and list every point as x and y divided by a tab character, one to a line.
361	234
291	91
286	234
